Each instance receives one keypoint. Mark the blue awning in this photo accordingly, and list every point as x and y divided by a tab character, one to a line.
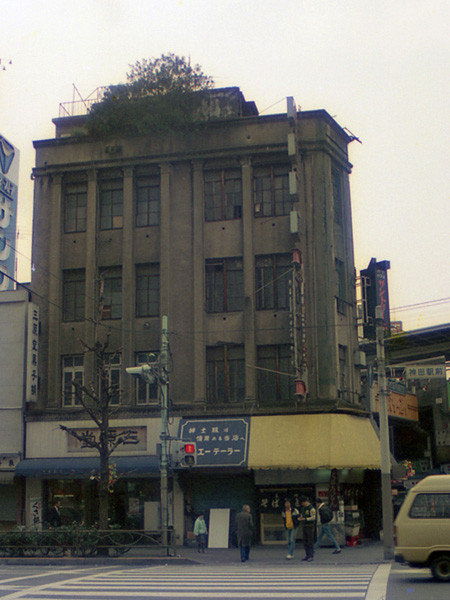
84	467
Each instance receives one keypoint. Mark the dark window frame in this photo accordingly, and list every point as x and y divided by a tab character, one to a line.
224	285
74	295
271	195
222	189
276	381
148	295
272	281
225	374
110	378
75	202
111	296
72	368
146	393
148	200
111	203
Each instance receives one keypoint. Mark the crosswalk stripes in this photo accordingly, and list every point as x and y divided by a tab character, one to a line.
133	584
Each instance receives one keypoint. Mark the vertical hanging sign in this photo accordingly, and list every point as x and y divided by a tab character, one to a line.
32	353
9	178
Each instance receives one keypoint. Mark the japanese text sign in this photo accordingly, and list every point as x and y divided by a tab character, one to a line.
219	441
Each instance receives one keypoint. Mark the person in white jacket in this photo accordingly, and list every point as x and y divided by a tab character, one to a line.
200	532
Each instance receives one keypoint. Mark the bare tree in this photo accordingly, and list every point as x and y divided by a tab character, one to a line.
98	399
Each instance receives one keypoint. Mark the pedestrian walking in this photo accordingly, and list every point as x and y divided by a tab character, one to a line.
200	532
244	525
291	522
308	520
325	516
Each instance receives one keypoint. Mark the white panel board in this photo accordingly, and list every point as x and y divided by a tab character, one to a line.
219	525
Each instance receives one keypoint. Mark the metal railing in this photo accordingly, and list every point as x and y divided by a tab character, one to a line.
81	106
84	542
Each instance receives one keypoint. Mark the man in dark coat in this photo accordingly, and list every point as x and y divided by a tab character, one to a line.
54	515
244	523
308	518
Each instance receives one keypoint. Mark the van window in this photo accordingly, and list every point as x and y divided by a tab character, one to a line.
430	506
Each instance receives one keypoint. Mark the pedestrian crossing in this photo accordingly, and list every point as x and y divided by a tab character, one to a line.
133	584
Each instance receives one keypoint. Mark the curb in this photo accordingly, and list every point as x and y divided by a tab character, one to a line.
107	560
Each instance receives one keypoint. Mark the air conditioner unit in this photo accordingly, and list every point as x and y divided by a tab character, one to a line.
291	144
360	358
294	222
293	182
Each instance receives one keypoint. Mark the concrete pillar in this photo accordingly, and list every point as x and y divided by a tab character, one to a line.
198	260
249	281
55	292
165	241
128	284
91	273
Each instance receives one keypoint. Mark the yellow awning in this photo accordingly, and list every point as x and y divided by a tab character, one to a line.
313	441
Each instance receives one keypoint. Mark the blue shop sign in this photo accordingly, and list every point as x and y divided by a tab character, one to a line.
219	441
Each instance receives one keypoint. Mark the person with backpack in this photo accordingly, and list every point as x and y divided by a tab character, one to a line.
325	515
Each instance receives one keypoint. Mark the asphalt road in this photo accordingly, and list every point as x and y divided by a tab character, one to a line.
205	582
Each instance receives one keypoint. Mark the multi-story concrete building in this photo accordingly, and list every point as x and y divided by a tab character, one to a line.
240	232
19	320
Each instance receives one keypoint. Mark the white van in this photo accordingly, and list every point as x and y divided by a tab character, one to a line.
422	527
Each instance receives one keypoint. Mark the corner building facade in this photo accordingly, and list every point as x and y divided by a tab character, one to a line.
240	232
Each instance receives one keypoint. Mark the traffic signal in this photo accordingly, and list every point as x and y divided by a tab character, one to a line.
184	453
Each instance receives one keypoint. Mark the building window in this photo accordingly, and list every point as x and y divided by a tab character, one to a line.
336	181
146	393
224	285
272	281
147	290
271	191
111	203
111	293
148	201
341	296
225	374
73	295
75	201
223	194
275	374
109	375
72	370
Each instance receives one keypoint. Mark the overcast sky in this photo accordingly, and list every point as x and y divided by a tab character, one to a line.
380	68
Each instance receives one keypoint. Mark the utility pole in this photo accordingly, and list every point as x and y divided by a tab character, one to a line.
386	487
160	372
163	378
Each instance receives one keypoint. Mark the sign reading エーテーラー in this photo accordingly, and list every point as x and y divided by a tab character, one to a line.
219	441
9	179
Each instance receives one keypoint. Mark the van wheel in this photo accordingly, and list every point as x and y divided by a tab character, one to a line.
440	567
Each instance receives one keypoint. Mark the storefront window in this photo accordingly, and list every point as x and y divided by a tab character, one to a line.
75	496
79	502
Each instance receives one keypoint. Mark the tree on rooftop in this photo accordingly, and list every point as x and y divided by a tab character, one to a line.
162	94
166	75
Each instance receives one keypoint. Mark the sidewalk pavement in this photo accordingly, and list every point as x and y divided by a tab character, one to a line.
365	553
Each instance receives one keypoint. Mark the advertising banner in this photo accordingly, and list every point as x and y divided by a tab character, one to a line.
9	180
